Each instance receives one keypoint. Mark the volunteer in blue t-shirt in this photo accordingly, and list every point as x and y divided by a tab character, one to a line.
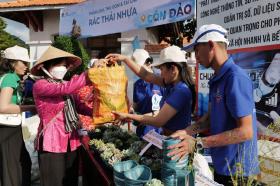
231	116
146	96
177	102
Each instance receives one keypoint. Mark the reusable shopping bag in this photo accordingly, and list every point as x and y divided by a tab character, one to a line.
109	92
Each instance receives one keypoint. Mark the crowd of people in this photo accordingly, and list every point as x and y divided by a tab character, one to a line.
163	102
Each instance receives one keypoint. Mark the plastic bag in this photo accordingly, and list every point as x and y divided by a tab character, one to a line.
109	92
201	165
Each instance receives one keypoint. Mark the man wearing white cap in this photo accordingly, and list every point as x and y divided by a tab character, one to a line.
231	116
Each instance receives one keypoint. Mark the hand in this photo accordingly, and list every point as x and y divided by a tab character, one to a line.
186	146
100	63
131	110
114	58
120	118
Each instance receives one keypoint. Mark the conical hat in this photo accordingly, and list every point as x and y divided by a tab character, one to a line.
54	53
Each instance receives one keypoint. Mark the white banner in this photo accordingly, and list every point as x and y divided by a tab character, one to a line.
99	17
250	23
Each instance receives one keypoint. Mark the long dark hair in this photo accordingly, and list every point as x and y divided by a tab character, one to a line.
6	65
186	77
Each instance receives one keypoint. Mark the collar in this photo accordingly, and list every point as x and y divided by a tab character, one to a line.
175	85
229	62
16	75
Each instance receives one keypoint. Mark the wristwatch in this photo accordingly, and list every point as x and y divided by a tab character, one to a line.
199	144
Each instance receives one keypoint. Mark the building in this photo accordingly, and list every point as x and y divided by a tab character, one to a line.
41	17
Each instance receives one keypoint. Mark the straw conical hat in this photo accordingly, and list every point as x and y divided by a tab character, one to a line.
54	53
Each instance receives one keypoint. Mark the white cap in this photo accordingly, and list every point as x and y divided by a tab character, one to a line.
17	53
206	33
171	54
140	56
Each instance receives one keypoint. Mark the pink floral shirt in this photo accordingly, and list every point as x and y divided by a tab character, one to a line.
49	103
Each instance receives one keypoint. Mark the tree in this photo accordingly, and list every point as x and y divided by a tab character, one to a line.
7	40
73	46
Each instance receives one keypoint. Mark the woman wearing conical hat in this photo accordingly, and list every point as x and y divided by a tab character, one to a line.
57	140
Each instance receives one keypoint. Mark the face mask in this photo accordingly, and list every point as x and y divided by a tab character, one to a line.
58	72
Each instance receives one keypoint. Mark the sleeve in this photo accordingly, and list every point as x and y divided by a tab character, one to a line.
45	88
239	95
179	98
9	81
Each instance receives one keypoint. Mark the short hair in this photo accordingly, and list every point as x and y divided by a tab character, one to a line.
222	44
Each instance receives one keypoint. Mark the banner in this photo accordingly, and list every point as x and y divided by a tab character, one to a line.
99	17
203	89
264	69
250	23
254	34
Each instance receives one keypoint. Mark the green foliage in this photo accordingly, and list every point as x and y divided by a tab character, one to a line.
3	25
72	45
64	43
7	40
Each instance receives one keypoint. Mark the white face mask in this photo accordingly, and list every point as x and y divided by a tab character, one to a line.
58	72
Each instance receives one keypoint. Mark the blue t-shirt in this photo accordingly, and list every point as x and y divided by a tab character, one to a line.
147	97
179	97
231	97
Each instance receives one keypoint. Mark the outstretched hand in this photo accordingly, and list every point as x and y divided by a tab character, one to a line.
100	63
185	147
120	118
114	58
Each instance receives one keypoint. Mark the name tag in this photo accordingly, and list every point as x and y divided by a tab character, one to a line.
155	102
154	138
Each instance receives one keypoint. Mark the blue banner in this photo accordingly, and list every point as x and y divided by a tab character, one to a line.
98	17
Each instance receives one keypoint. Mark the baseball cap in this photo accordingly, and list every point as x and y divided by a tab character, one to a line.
206	33
140	56
171	54
17	53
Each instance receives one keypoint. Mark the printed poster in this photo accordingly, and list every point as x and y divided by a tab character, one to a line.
254	34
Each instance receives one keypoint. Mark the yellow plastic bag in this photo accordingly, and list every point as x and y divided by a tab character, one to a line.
109	92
